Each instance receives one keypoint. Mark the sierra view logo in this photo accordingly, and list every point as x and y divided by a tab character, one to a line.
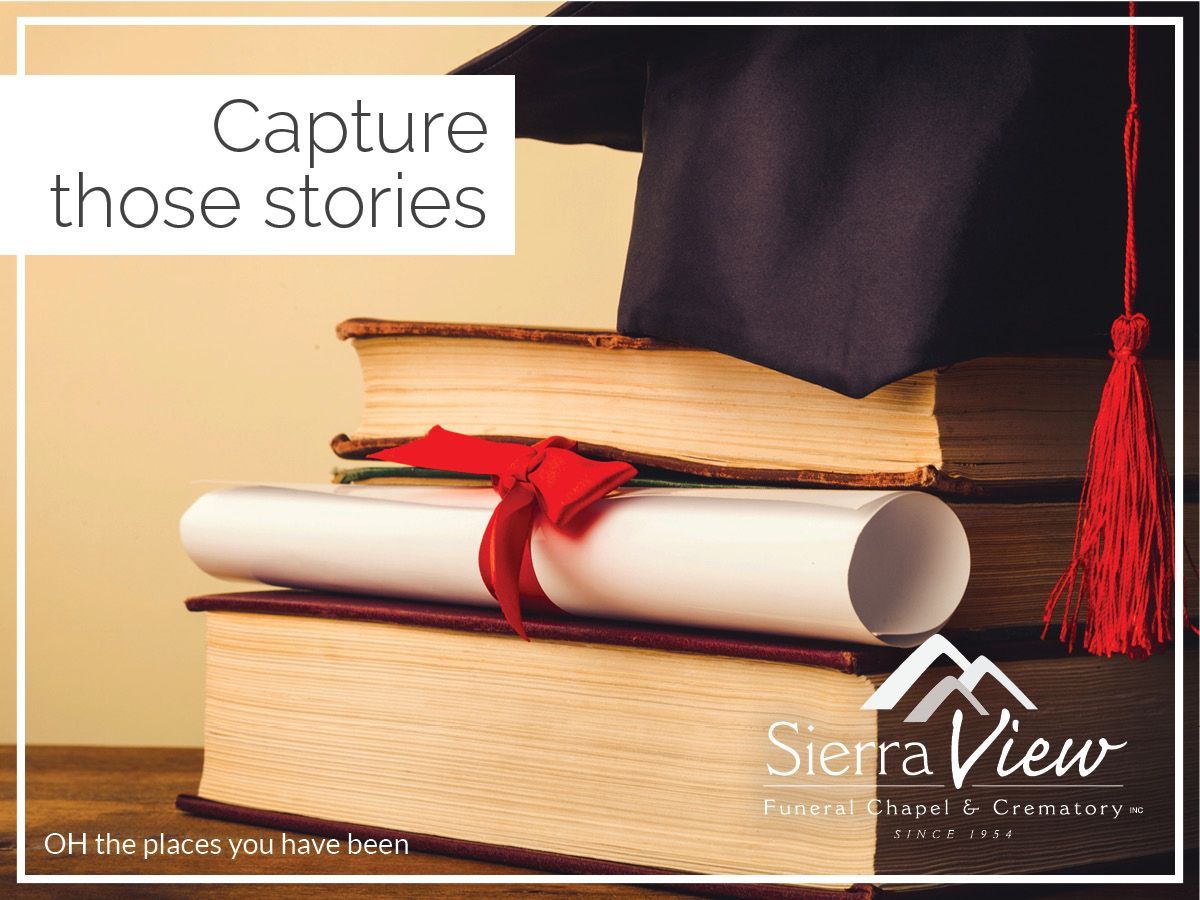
1018	751
892	691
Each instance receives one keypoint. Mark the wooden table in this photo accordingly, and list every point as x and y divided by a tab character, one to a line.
130	792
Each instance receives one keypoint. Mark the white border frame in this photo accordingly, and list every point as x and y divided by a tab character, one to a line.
22	22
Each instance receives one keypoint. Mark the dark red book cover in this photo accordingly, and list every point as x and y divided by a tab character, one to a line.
1001	644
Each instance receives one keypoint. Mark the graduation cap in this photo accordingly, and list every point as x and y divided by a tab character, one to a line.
853	204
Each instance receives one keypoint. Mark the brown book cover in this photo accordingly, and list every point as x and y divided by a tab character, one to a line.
352	329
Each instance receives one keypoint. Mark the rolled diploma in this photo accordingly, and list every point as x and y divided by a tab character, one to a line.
869	567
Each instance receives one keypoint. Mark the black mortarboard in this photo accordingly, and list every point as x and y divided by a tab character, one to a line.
851	204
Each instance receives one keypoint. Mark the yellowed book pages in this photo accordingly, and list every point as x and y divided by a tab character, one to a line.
680	760
995	421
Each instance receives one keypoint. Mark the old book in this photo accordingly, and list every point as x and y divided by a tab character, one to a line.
995	423
1018	552
602	746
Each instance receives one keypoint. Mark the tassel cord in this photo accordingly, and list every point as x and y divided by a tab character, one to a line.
1121	575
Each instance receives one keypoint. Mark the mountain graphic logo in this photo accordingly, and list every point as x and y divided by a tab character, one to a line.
892	691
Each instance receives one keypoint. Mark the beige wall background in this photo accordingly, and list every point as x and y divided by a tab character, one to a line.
146	374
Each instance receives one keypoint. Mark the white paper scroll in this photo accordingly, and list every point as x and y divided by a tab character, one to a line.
861	566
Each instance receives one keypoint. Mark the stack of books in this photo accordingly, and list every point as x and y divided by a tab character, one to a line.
722	680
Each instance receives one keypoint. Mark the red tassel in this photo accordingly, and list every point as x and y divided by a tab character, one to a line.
1123	565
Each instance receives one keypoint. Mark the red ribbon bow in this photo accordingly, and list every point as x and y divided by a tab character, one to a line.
547	477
